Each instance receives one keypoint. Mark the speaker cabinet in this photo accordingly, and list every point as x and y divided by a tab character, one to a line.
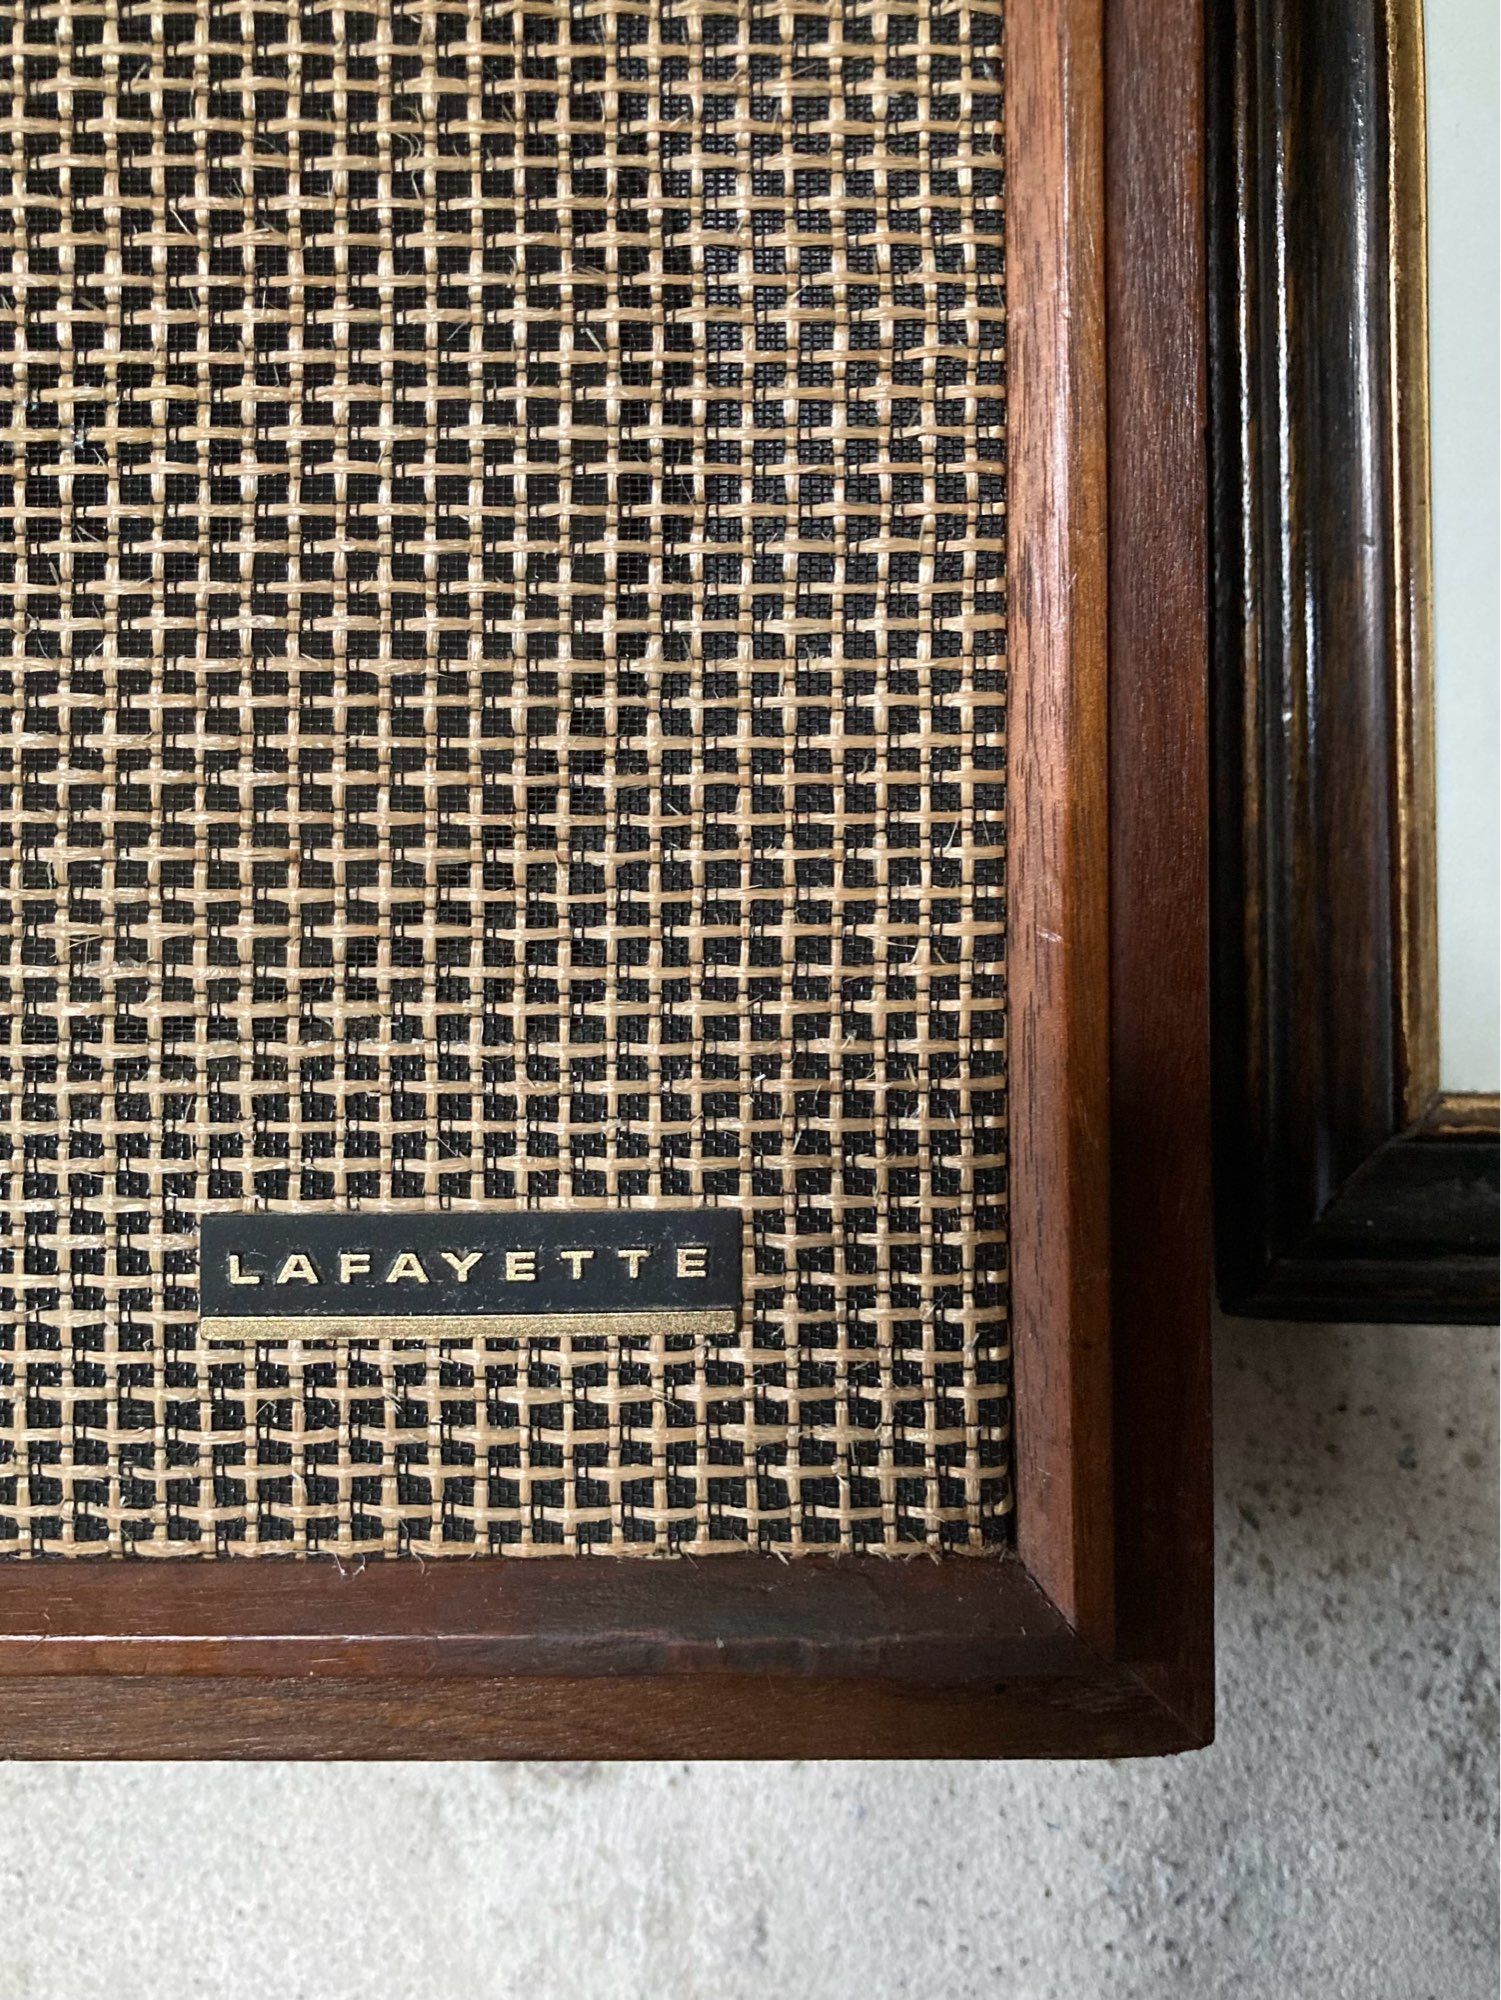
603	961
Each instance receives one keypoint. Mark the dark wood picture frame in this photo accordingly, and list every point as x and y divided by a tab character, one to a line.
1349	1186
1094	1637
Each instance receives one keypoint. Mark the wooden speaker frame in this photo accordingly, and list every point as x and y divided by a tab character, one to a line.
1094	1637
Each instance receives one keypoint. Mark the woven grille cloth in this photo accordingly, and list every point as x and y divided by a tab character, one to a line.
503	632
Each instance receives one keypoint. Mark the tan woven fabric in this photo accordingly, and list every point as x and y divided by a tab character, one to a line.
503	704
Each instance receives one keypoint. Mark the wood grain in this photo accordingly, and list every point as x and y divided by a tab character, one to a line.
1086	1712
1333	1201
1058	944
1159	882
975	1621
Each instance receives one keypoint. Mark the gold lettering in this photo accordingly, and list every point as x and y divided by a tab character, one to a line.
521	1266
633	1260
462	1266
406	1269
237	1276
353	1264
298	1269
577	1259
693	1260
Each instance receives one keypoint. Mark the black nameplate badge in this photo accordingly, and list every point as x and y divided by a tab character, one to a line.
465	1275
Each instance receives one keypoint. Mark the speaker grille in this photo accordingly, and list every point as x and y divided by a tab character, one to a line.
504	610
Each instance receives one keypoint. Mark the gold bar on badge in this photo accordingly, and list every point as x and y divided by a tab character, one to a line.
282	1329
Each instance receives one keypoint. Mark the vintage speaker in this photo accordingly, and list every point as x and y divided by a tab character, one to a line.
511	1048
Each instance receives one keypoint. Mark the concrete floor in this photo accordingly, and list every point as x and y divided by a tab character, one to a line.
1338	1843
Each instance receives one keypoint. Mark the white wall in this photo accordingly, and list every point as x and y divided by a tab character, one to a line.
1464	270
1337	1843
